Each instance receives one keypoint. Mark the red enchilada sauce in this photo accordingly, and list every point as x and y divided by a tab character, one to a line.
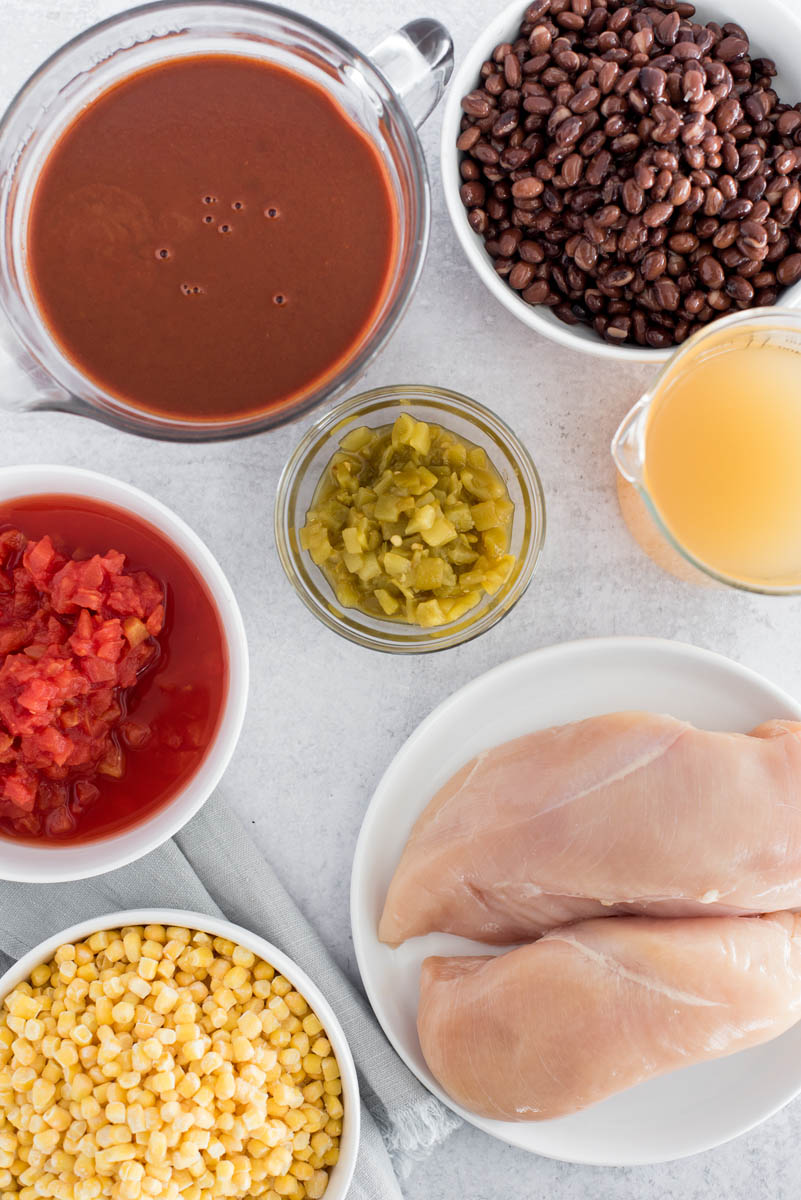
113	669
211	237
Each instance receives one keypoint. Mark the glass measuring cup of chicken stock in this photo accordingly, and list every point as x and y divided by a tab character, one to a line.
709	459
386	95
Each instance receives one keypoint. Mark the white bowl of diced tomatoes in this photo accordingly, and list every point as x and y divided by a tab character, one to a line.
123	673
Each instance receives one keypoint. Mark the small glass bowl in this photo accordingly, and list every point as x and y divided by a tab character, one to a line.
380	407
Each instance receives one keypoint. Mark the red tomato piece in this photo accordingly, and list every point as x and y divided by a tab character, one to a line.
75	635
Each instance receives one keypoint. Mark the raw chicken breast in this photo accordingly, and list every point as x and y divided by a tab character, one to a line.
596	1007
630	812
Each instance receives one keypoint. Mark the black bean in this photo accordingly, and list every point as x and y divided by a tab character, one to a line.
607	77
726	236
731	49
521	275
657	214
789	271
739	289
569	20
531	252
653	265
667	294
718	300
788	122
506	122
468	138
535	10
514	157
569	131
791	200
512	70
485	153
473	194
710	272
653	82
786	162
476	104
618	328
508	242
597	168
683	243
667	30
527	189
539	292
755	232
618	277
659	339
680	190
707	227
568	60
479	221
586	255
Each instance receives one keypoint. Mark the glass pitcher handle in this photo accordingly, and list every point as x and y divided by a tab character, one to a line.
417	61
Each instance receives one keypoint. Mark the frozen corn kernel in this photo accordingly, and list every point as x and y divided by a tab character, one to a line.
166	1000
168	1064
249	1025
311	1025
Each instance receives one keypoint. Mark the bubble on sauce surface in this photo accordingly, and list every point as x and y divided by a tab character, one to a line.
163	252
279	298
225	228
237	205
271	213
193	289
207	220
209	199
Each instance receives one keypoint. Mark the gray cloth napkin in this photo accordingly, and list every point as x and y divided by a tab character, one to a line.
213	867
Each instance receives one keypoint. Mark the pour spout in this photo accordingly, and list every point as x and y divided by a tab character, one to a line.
628	444
24	385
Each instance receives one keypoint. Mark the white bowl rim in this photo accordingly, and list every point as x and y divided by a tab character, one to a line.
28	862
342	1173
463	81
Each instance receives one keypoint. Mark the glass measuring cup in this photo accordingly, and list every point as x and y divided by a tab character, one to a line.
752	331
388	94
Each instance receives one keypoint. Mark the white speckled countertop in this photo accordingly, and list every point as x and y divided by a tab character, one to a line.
325	717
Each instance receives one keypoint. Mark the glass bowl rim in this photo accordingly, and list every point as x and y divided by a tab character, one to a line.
322	430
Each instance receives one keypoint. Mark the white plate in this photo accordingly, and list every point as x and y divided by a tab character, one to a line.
679	1114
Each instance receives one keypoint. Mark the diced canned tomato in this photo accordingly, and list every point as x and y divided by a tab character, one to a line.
75	635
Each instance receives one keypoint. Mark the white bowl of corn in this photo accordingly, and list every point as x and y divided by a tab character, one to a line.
165	1055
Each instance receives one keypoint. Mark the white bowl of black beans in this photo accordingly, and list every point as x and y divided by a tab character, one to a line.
621	174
